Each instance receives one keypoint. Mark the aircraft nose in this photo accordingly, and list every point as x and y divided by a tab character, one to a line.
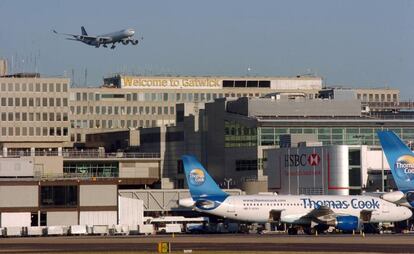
131	32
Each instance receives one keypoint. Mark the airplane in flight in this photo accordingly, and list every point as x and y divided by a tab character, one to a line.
122	36
401	161
312	213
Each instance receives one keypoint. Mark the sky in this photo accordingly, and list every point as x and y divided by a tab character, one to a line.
353	43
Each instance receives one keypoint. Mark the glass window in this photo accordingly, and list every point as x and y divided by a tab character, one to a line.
59	196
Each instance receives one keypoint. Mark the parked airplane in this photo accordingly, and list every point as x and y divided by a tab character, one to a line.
401	161
313	213
123	36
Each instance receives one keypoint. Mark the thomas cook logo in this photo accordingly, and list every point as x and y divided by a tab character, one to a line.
197	177
404	167
314	159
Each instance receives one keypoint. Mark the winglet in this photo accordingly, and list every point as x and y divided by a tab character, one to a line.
199	182
400	159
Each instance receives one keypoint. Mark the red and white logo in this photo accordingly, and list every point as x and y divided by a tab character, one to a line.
314	159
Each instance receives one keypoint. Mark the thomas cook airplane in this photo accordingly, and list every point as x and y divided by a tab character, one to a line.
401	161
312	213
122	36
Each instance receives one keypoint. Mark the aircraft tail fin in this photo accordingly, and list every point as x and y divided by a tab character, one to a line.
400	159
83	30
200	183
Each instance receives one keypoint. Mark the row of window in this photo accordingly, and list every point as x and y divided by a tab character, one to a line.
116	110
377	97
329	136
246	165
37	87
183	97
246	83
112	124
272	204
24	116
34	131
33	102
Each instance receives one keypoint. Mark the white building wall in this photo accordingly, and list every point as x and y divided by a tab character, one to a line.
15	220
16	167
98	195
61	218
130	211
19	196
98	218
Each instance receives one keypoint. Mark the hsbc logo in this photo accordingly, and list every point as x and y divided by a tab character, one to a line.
295	160
314	159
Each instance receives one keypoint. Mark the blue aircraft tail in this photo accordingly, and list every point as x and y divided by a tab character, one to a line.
84	31
202	187
400	159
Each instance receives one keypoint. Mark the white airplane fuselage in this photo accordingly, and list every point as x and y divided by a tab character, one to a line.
110	37
257	208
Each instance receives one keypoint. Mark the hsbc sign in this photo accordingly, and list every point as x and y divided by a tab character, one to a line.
314	159
295	160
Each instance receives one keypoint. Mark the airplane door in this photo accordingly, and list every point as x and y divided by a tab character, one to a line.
231	207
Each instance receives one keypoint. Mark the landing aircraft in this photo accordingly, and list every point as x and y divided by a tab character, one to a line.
401	161
122	36
312	213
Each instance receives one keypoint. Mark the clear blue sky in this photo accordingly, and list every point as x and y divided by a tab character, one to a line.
358	43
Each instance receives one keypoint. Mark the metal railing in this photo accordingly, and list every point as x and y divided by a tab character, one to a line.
84	154
98	154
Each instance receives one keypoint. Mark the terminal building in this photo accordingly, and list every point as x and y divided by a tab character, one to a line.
61	147
141	101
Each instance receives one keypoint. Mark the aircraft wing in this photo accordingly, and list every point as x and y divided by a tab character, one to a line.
76	36
325	214
322	214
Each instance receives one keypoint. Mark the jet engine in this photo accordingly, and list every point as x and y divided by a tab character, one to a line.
348	223
125	42
409	196
393	196
186	202
134	42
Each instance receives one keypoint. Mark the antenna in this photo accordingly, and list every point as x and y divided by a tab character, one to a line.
86	77
73	77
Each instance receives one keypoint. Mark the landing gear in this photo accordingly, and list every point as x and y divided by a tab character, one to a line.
105	46
310	230
292	231
320	229
113	46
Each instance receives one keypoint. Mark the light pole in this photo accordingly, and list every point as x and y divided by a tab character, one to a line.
228	181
